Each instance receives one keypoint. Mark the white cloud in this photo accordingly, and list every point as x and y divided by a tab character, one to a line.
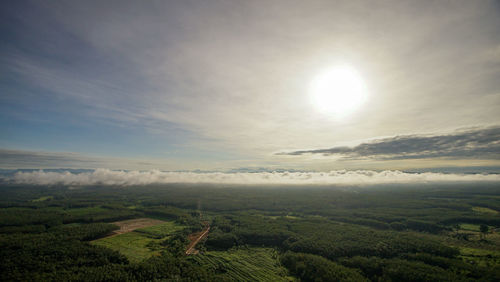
238	82
341	177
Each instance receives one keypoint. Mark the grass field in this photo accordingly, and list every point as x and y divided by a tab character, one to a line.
285	216
44	198
133	245
245	264
161	230
484	210
480	257
130	225
141	243
469	227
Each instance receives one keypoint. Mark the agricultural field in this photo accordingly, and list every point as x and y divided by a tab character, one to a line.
161	230
283	216
245	264
139	239
469	227
43	198
133	224
484	210
134	245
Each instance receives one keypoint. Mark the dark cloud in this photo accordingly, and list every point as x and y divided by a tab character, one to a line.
20	158
476	143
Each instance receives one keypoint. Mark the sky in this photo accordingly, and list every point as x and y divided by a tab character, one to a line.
226	85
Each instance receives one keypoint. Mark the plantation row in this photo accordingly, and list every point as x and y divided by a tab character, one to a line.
244	264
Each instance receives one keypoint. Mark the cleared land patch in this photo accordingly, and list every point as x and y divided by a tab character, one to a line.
133	245
133	224
161	230
469	227
139	239
484	210
44	198
283	216
245	264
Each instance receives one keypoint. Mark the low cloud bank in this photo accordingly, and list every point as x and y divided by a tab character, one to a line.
341	177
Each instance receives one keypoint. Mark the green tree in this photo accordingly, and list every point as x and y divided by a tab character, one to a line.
484	230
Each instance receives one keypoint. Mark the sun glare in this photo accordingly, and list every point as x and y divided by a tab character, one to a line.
338	91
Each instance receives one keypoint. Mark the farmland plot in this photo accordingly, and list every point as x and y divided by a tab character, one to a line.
139	239
245	264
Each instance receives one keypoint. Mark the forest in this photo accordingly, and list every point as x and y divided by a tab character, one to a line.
445	232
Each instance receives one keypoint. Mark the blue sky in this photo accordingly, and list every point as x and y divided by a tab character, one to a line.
181	85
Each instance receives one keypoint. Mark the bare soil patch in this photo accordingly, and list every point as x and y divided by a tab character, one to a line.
193	236
133	224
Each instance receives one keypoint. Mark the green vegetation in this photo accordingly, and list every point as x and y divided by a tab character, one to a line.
482	257
43	198
469	227
142	243
85	211
484	210
315	268
244	264
407	233
134	245
161	230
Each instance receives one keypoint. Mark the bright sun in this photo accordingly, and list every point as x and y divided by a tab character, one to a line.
338	91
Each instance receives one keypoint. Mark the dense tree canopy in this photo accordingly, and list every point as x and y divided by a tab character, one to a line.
319	233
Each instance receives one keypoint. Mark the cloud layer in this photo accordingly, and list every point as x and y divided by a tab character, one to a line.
21	159
218	79
483	143
340	177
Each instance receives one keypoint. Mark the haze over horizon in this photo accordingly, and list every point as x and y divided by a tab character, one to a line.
249	85
250	140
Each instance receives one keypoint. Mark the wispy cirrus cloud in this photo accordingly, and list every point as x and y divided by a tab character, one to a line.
232	83
15	159
21	159
339	177
476	143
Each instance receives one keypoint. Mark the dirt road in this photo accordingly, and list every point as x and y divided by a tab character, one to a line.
190	249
